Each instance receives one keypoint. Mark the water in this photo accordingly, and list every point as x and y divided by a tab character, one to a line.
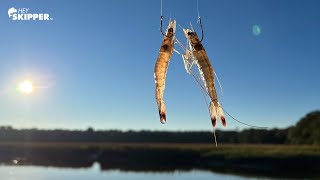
15	172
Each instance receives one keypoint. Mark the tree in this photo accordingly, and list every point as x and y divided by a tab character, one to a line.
90	130
307	130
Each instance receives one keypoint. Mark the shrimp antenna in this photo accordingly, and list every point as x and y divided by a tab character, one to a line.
180	26
258	127
191	27
204	94
215	74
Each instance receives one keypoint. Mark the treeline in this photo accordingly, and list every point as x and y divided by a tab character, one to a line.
275	136
307	131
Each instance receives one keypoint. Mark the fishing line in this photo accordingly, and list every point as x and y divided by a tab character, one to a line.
202	89
161	8
161	19
258	127
199	21
204	93
198	8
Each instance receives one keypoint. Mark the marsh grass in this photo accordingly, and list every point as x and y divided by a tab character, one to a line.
237	150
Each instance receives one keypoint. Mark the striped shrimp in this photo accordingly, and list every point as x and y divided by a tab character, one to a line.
197	54
161	66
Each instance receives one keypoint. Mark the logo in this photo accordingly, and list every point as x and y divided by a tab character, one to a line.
11	11
23	14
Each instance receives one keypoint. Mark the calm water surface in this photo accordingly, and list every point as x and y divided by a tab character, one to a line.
14	172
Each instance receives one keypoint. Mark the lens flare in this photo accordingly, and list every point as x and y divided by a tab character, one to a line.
256	30
26	87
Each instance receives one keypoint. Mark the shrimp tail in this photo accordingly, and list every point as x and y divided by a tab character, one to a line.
162	112
221	115
213	114
217	111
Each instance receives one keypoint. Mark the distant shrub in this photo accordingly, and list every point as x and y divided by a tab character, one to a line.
307	130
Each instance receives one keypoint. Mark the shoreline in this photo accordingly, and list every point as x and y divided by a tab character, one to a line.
261	160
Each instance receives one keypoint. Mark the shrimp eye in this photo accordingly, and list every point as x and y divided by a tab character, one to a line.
170	30
189	33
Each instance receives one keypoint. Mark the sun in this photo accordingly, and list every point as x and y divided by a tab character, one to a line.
26	87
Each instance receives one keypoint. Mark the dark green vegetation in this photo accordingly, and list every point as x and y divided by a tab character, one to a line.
266	160
306	131
290	152
274	136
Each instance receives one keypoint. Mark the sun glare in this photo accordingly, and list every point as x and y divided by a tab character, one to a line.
26	87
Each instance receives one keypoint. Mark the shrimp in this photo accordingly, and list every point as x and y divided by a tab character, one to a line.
161	66
197	54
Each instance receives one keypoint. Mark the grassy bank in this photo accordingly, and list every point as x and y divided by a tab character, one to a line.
267	160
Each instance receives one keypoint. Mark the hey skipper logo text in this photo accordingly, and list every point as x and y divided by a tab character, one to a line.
25	14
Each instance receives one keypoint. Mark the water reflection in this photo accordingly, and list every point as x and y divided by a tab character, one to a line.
16	172
146	159
125	166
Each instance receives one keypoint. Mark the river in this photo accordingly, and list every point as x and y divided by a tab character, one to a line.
26	172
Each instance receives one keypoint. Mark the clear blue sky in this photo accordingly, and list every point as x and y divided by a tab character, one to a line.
93	64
